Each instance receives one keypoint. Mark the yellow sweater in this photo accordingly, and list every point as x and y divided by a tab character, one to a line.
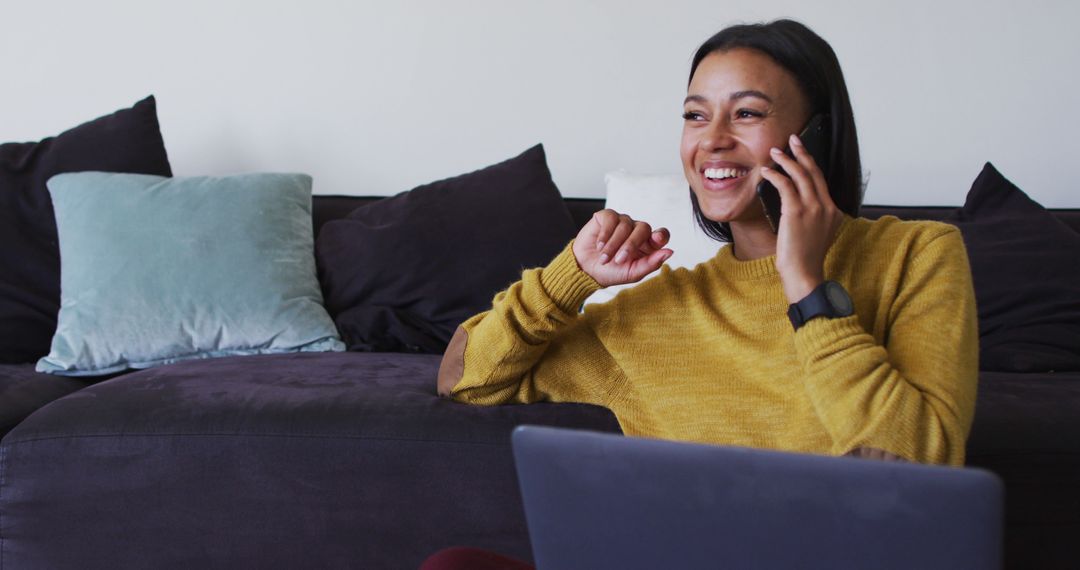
709	355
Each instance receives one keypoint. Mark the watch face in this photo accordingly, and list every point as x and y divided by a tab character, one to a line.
839	299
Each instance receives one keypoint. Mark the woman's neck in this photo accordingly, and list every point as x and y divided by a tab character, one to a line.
752	239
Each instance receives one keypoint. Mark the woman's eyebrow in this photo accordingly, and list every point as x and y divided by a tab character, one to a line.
734	96
750	93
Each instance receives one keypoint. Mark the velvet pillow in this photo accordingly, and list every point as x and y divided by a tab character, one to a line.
1026	267
400	274
128	140
155	270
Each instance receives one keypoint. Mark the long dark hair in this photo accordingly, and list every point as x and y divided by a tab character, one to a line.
812	61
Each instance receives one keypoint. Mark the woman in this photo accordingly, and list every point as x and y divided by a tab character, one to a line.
835	335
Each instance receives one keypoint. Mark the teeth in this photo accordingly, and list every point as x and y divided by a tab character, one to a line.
721	173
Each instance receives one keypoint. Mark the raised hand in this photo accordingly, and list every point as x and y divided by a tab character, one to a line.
808	222
615	249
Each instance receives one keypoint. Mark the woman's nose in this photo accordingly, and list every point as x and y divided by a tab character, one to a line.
717	137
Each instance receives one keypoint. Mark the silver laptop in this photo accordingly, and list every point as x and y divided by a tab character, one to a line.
595	501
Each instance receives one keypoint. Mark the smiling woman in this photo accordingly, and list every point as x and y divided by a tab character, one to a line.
798	75
832	334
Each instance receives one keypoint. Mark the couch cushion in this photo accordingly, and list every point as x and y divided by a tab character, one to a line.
254	459
369	395
402	273
1032	417
157	270
1026	268
1027	431
23	390
128	140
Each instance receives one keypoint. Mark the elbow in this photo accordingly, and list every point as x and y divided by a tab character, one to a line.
445	383
443	387
452	367
945	436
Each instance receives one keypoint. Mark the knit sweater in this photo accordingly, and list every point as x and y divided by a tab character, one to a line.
709	355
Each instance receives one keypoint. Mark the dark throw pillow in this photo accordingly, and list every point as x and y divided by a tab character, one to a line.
128	140
1026	268
400	274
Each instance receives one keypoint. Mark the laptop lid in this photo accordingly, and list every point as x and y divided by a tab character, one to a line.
596	501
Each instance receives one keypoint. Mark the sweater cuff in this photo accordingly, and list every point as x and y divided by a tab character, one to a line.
823	336
565	282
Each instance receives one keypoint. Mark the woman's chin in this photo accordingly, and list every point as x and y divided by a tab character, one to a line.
719	218
724	211
731	205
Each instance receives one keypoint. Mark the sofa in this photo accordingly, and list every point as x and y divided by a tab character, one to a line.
351	460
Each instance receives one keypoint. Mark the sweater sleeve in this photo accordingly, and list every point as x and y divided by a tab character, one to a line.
534	346
914	396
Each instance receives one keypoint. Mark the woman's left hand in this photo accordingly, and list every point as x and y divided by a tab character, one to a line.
809	220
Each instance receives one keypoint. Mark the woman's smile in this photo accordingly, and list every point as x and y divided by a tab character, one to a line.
739	105
720	176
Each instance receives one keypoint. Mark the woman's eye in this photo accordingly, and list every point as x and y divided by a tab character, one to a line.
747	113
691	116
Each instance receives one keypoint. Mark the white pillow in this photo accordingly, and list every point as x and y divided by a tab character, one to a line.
662	201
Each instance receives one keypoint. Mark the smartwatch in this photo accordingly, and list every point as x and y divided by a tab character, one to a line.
828	300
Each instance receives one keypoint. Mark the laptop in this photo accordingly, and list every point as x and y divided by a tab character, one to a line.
596	501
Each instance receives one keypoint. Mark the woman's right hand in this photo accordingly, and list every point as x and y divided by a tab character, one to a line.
615	249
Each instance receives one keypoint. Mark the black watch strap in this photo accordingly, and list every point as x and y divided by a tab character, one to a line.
829	300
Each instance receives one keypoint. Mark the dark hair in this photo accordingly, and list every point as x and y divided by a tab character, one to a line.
809	58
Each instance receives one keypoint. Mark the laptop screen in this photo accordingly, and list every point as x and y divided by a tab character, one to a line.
597	500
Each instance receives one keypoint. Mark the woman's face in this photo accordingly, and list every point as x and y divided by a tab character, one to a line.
740	104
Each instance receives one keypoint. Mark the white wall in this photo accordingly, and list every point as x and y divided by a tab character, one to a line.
374	97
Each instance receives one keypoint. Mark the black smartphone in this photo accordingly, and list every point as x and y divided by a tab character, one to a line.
815	137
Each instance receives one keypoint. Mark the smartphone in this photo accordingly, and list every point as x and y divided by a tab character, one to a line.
815	137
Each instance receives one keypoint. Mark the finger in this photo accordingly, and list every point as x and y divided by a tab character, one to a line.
804	185
636	243
789	198
660	237
812	168
607	220
646	265
618	235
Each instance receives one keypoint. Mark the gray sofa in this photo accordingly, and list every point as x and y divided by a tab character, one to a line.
350	460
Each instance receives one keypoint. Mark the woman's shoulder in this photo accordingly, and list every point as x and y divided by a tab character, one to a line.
892	232
889	245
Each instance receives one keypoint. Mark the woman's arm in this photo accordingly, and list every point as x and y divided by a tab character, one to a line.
533	330
914	396
532	345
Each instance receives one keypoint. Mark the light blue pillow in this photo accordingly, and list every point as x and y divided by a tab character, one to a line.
156	270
